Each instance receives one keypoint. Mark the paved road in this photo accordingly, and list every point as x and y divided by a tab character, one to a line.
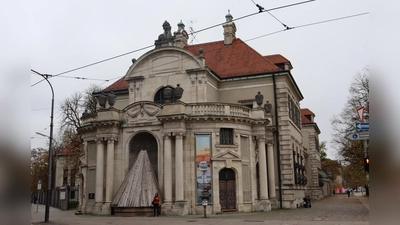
334	210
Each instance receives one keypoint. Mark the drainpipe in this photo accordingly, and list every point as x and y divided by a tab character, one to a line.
277	142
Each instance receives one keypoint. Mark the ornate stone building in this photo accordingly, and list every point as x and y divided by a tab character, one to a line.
312	154
219	122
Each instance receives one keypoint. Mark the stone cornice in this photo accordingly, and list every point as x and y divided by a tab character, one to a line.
95	125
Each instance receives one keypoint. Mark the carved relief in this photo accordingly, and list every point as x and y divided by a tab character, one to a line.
193	80
136	86
131	88
198	80
142	112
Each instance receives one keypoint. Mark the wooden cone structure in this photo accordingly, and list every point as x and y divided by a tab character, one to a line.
139	186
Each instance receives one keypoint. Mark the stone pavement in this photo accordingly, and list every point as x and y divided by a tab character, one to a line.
333	210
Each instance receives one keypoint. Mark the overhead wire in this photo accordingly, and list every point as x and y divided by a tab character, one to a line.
201	30
310	24
261	9
275	32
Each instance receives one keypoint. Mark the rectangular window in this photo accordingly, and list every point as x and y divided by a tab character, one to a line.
226	136
65	176
317	144
72	194
73	175
294	112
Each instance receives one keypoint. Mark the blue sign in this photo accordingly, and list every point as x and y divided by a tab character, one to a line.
39	181
362	125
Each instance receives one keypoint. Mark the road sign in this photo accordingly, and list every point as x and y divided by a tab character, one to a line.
39	186
360	113
362	125
358	136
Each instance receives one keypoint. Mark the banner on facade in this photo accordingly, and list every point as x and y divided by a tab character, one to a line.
203	168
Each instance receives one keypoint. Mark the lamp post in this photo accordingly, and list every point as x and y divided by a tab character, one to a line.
48	197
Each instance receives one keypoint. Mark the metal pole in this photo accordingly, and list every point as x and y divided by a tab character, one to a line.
277	143
367	172
48	197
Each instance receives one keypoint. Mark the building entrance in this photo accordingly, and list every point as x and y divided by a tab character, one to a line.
144	141
227	190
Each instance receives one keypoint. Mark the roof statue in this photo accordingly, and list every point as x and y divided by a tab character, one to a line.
139	186
166	37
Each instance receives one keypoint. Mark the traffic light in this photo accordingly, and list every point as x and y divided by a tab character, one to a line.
366	164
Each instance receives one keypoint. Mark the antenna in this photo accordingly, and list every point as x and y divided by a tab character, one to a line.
192	31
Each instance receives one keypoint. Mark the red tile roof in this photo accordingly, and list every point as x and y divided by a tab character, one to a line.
235	60
71	148
120	84
228	61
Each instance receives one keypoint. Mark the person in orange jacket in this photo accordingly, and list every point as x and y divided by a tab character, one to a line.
156	204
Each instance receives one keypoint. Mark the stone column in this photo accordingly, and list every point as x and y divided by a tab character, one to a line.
167	169
263	168
84	190
180	206
110	170
83	193
99	171
179	168
271	170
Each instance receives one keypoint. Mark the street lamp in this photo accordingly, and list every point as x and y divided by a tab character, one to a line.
48	198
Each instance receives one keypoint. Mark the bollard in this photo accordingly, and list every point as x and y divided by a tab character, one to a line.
205	203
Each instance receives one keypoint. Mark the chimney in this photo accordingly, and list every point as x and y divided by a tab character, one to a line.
229	29
181	36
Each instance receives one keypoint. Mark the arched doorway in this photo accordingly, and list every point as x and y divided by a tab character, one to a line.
144	141
227	190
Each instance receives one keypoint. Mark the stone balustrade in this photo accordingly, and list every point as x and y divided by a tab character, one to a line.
217	109
191	109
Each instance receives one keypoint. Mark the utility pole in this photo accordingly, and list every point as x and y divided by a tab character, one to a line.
49	177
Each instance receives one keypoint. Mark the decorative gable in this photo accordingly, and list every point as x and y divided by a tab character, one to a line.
227	155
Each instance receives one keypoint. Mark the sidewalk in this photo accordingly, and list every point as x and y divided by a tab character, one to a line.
334	210
363	200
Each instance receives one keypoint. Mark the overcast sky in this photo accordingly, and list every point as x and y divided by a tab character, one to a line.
70	34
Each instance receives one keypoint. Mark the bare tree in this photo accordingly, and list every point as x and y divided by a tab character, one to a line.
351	152
72	108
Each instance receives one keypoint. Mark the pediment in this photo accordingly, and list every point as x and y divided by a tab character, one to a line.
143	111
166	60
227	155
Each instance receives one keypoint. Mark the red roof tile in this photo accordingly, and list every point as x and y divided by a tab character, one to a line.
120	84
277	58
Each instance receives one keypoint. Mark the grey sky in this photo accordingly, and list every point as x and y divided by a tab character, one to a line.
70	34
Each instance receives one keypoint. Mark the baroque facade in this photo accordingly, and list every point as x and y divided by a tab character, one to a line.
220	124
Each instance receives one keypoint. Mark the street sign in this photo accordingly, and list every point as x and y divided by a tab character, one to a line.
358	136
362	125
360	113
39	186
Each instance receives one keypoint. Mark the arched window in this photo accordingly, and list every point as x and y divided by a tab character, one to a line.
160	98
